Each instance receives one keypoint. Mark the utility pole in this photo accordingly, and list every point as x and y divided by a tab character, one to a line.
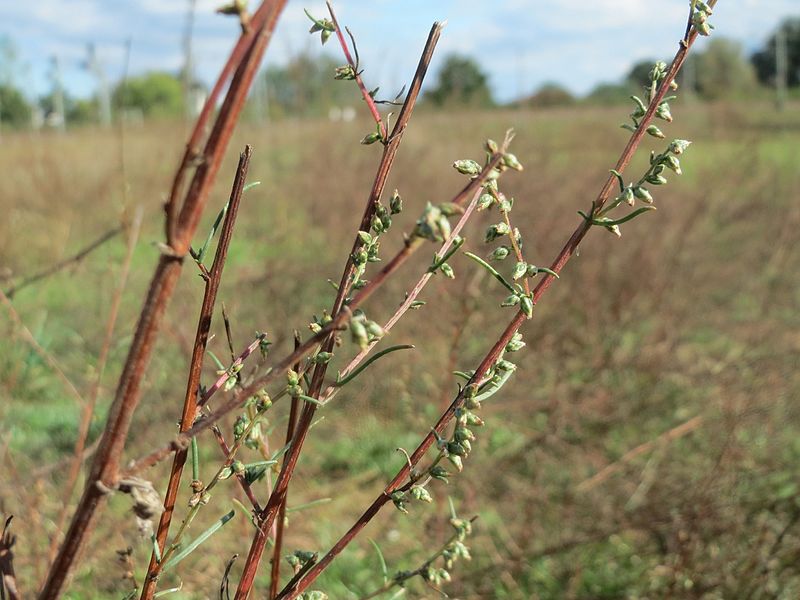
189	98
103	93
781	66
60	116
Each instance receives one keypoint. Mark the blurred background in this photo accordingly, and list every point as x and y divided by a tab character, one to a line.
648	445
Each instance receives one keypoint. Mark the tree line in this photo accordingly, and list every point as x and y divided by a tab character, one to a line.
300	89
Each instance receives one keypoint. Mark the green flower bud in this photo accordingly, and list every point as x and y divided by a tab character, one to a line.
358	333
440	473
656	179
642	194
360	257
239	426
451	209
345	73
510	161
456	448
322	358
399	500
374	330
365	237
678	146
447	271
474	420
456	462
500	253
467	167
674	164
505	204
520	269
663	112
420	493
516	343
395	203
463	434
495	231
238	467
491	146
655	132
628	196
511	300
485	201
371	138
527	306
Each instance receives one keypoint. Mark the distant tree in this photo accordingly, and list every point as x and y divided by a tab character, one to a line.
722	70
639	75
14	108
764	59
611	93
156	94
550	94
303	87
461	82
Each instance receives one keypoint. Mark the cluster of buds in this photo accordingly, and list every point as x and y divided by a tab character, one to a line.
313	595
232	374
300	558
363	331
657	75
700	15
324	26
655	175
369	247
434	224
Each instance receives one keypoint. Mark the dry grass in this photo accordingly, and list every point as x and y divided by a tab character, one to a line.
696	313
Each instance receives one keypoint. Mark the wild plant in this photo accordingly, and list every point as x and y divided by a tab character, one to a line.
345	335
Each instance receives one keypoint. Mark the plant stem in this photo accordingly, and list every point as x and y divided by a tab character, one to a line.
494	353
189	412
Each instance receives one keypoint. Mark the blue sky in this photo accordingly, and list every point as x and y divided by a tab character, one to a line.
520	43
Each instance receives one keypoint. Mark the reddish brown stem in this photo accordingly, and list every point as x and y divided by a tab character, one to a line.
397	483
307	414
278	369
104	470
364	91
196	367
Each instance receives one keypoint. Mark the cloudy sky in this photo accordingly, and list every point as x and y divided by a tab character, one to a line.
521	43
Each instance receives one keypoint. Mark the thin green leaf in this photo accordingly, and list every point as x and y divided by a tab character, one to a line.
307	505
156	548
195	460
611	223
369	361
491	270
384	568
169	591
192	546
495	388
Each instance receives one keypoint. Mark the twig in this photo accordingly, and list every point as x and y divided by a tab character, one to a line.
196	366
88	407
307	416
354	64
59	266
8	579
397	483
181	224
673	434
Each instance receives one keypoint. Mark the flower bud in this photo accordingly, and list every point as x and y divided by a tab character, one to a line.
447	271
500	253
490	146
474	420
485	201
371	138
511	300
395	203
678	146
467	167
456	462
440	473
663	112
527	306
420	493
628	196
674	164
510	161
642	194
520	269
399	500
655	132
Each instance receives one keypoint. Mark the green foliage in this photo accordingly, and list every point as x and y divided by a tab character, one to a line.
764	60
156	94
722	70
461	82
551	94
610	94
14	109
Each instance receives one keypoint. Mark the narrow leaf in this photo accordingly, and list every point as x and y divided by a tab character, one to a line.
197	541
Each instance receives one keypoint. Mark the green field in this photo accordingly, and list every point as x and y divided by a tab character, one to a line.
683	335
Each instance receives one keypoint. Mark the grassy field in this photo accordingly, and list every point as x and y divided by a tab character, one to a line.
683	337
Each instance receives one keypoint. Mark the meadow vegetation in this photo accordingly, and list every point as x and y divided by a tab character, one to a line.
682	336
